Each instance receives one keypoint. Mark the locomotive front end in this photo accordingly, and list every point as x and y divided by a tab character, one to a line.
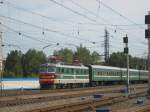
47	76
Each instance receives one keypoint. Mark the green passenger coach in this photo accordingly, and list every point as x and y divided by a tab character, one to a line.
100	74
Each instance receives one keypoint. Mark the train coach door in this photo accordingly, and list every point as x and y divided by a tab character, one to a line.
90	75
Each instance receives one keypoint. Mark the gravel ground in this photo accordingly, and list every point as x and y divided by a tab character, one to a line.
26	107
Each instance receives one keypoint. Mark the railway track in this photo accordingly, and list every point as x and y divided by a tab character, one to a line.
89	105
7	93
30	99
142	108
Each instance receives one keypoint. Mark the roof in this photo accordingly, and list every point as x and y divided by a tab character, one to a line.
65	66
105	67
115	68
72	66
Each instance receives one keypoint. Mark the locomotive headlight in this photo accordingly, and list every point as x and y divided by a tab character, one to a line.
52	76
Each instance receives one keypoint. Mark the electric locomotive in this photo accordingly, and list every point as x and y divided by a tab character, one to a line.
60	76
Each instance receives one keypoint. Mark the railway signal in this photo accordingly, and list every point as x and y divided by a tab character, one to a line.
147	36
126	51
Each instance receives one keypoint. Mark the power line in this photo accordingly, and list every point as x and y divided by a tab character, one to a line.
113	10
113	25
34	13
27	36
35	39
47	29
75	37
87	10
82	14
76	12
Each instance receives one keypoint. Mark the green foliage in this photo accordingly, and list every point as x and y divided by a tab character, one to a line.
23	65
95	58
66	54
31	61
13	62
138	63
119	60
83	55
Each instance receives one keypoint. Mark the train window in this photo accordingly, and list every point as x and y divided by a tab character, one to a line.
116	73
111	73
80	71
72	71
107	73
51	69
84	71
58	71
62	70
67	71
77	71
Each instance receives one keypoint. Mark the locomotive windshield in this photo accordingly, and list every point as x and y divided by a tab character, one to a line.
51	69
45	68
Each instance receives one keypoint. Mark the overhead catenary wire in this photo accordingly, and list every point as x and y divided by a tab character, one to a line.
76	12
92	13
105	25
85	16
35	13
49	30
121	15
54	19
20	33
48	42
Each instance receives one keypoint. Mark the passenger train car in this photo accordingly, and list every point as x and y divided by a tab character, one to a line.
60	76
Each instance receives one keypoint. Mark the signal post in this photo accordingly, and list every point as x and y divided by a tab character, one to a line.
126	51
147	36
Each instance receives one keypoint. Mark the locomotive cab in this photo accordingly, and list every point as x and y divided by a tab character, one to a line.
47	75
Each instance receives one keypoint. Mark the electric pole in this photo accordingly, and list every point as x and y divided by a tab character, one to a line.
106	46
147	36
1	61
126	51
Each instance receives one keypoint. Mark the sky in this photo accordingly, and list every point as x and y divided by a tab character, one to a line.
35	24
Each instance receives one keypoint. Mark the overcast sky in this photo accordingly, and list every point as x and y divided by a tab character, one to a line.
81	23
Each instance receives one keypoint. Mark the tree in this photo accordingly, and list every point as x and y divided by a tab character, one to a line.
13	64
95	58
119	60
66	54
83	55
31	61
